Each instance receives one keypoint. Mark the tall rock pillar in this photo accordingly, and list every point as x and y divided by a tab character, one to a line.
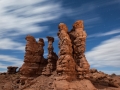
78	37
65	63
51	58
33	57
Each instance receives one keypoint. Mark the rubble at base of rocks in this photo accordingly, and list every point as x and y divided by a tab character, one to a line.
102	78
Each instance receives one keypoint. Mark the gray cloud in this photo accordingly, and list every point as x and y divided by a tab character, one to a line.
20	17
105	54
9	44
10	59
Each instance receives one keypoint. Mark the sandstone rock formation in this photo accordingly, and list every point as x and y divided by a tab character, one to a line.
33	57
65	63
43	61
102	78
11	70
78	38
70	66
51	58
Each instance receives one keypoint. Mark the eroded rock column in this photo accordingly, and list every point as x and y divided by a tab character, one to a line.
43	62
51	58
78	37
65	63
33	57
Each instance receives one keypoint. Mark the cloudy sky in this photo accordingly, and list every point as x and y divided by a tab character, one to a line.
40	18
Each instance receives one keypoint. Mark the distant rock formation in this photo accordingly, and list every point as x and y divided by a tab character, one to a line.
102	78
11	70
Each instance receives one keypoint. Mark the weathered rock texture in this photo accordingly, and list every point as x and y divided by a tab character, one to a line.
78	38
43	61
11	70
33	57
51	58
102	78
65	64
34	62
72	66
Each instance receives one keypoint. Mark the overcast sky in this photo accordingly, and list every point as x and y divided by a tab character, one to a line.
40	18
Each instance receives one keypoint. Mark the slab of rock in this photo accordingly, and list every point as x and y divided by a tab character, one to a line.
74	85
11	69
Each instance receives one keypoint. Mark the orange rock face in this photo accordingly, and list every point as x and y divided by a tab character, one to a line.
51	58
34	62
71	64
33	57
78	38
65	63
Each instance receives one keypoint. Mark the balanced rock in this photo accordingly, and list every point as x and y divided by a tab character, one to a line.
11	70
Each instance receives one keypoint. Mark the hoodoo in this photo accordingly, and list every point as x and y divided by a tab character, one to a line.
69	70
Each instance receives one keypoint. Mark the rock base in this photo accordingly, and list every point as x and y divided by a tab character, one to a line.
74	85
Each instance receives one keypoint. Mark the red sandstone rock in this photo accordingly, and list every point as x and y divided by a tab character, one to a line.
65	63
33	57
78	38
69	71
51	58
102	78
